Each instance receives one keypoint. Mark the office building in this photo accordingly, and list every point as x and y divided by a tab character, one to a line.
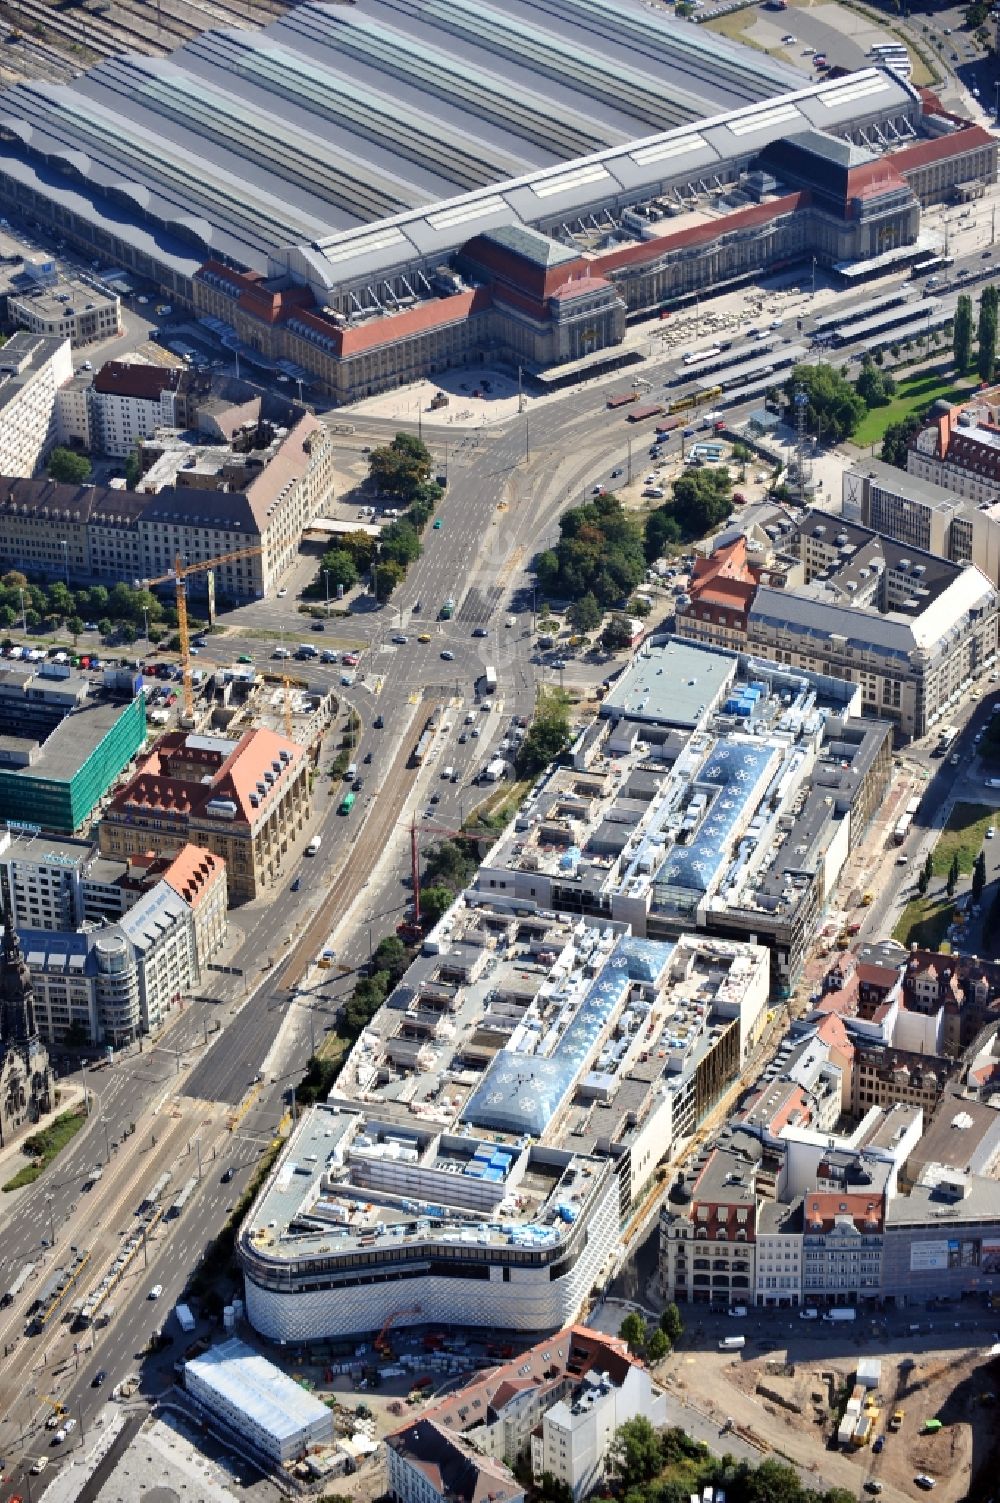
245	800
114	983
82	312
56	883
671	163
257	1403
32	369
717	794
65	742
429	1464
256	493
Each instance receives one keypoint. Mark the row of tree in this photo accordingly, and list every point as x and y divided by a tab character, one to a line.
652	1341
984	331
118	611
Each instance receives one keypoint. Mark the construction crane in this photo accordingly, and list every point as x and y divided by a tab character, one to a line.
410	929
179	578
380	1343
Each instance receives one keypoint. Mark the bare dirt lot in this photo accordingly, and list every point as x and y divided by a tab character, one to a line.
797	1404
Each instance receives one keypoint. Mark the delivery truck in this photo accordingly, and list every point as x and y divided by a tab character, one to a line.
185	1319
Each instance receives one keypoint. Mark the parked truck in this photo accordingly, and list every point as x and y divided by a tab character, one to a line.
185	1319
732	1343
840	1314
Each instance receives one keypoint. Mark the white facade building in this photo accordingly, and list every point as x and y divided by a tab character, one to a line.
131	401
577	1432
32	368
258	1402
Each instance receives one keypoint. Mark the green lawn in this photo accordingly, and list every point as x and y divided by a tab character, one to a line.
963	836
45	1144
924	922
913	394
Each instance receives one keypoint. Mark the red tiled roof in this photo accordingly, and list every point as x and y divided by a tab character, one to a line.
923	153
419	320
827	1205
700	234
193	873
179	778
579	286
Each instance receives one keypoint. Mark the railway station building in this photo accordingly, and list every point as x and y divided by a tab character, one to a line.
335	191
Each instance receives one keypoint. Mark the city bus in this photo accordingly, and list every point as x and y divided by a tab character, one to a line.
346	803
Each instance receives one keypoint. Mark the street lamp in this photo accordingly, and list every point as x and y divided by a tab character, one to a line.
24	614
326	579
52	1225
145	624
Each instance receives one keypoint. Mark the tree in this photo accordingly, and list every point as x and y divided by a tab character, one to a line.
833	408
976	14
385	577
701	500
67	467
362	548
105	627
338	570
600	551
773	1482
874	386
633	1330
635	1453
133	468
962	334
896	440
399	543
548	735
391	956
987	334
434	904
585	614
74	625
450	863
662	531
402	468
617	635
671	1323
657	1346
953	875
979	877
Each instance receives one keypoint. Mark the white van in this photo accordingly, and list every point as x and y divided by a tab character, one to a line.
314	845
351	773
446	772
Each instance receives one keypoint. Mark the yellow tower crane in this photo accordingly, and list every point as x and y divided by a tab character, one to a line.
179	576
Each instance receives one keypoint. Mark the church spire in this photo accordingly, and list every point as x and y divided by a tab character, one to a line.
17	999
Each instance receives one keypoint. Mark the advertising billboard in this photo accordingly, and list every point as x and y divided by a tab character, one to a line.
944	1253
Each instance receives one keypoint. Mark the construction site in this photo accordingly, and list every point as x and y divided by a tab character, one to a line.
926	1409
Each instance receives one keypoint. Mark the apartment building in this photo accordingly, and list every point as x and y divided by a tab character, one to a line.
245	801
559	1403
959	450
919	514
915	632
131	401
32	369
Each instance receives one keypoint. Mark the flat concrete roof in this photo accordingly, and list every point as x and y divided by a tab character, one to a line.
674	683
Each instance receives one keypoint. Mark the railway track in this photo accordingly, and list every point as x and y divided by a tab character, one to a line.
92	34
29	58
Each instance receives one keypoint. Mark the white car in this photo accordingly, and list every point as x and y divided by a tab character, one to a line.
155	1292
808	1314
990	831
788	40
39	1465
70	1426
